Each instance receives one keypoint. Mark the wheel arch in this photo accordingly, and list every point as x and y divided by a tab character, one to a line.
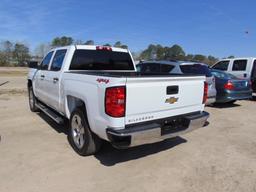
72	103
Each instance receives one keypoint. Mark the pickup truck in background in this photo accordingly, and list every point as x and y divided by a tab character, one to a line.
243	68
97	90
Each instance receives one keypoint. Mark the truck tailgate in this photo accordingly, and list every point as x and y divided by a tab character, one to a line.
161	97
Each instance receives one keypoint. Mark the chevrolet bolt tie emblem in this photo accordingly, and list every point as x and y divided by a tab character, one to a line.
171	100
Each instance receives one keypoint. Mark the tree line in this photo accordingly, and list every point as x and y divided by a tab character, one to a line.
174	52
18	54
13	54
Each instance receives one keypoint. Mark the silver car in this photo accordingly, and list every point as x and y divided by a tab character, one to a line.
181	67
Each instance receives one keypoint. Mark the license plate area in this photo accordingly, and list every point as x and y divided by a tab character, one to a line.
174	125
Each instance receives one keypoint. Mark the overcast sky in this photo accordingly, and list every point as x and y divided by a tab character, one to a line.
220	28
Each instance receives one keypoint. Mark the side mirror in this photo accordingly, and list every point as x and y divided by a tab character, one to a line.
33	64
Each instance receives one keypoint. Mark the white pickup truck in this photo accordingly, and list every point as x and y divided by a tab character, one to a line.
98	91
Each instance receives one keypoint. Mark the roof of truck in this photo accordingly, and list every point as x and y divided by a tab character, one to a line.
238	58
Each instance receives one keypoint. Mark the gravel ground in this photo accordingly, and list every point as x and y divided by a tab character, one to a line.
35	155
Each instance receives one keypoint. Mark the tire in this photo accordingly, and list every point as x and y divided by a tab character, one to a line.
32	100
80	137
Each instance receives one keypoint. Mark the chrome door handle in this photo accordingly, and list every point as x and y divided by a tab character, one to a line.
55	80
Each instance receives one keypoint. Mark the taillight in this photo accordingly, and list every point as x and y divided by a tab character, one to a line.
205	92
229	86
104	48
115	100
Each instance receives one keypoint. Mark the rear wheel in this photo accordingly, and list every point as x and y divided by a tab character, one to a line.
32	100
81	138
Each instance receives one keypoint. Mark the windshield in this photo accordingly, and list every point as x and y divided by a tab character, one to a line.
101	60
196	69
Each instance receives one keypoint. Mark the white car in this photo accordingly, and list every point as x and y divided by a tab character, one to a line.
244	68
182	67
98	91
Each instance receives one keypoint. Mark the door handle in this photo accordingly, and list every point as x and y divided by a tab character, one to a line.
170	90
42	77
55	80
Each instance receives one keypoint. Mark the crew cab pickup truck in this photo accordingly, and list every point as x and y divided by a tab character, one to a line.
97	90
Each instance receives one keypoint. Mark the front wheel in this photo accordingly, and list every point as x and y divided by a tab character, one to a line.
32	100
81	138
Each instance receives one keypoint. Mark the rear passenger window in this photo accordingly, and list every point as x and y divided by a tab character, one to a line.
150	68
239	65
166	68
222	65
58	60
45	63
196	69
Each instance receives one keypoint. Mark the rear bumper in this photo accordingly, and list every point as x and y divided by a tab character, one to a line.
157	130
234	95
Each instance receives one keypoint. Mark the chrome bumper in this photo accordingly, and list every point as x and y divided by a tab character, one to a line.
153	132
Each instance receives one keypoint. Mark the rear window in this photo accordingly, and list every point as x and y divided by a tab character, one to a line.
101	60
149	68
239	65
166	68
222	65
196	69
154	68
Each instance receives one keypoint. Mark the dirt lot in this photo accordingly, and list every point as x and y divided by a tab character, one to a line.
35	154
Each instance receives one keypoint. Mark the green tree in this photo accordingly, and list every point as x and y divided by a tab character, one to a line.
89	42
62	41
6	52
189	57
21	54
118	44
199	58
175	52
3	59
149	53
231	57
211	60
107	44
160	52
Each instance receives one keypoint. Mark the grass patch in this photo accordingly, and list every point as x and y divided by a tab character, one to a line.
13	91
13	73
